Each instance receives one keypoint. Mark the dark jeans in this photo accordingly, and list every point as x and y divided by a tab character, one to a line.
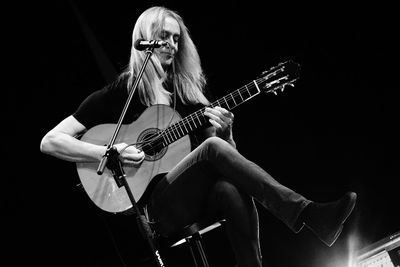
216	180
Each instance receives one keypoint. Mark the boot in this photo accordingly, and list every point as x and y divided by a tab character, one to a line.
326	220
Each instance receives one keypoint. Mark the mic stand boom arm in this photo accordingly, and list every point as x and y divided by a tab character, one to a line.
112	161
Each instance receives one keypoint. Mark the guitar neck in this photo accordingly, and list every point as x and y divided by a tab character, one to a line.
197	119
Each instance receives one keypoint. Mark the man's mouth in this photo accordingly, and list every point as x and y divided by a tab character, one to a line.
166	54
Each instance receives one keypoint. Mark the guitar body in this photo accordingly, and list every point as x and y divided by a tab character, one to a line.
102	189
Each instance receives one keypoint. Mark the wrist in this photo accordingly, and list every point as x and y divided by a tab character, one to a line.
101	151
231	141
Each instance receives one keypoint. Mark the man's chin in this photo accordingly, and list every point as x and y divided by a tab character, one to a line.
166	64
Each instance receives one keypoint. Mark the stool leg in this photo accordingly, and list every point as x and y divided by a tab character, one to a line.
191	251
197	242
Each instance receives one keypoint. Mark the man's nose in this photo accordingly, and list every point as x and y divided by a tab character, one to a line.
172	44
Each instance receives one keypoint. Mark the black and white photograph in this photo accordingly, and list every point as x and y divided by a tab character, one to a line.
202	133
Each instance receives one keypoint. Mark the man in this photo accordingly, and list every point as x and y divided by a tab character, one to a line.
214	179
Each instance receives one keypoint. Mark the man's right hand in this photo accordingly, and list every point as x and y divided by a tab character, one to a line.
129	154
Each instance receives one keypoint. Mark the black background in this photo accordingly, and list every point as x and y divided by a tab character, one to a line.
335	131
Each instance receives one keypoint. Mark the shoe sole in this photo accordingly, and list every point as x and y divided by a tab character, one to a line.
350	206
349	209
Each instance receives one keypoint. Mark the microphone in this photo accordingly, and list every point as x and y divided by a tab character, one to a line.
142	44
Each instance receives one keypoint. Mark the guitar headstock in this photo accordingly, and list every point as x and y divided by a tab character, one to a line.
278	77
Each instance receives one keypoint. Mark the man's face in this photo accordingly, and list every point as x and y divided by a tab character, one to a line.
170	33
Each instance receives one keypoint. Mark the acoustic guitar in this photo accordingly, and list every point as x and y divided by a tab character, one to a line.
163	136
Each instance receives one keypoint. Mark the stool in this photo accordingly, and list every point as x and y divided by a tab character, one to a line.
191	234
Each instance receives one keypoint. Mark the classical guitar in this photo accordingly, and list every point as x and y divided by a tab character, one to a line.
163	135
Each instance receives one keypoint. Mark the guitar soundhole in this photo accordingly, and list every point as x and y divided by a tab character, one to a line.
152	144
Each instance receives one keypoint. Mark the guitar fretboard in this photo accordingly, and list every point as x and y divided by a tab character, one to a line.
197	119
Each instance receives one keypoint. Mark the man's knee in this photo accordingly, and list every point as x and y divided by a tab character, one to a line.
216	145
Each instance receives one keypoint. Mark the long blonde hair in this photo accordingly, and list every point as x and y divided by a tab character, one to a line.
187	75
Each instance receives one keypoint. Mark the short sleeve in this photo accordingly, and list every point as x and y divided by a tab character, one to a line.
102	106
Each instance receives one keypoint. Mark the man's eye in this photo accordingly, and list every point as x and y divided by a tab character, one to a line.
163	35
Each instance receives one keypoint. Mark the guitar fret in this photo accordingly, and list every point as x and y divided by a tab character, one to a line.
190	125
173	131
166	135
233	98
198	119
240	96
256	85
180	128
227	103
176	133
164	142
247	89
231	103
171	135
194	121
190	119
184	125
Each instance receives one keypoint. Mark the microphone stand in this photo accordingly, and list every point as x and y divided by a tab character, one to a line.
112	161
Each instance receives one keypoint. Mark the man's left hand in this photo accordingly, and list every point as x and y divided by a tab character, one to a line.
222	120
